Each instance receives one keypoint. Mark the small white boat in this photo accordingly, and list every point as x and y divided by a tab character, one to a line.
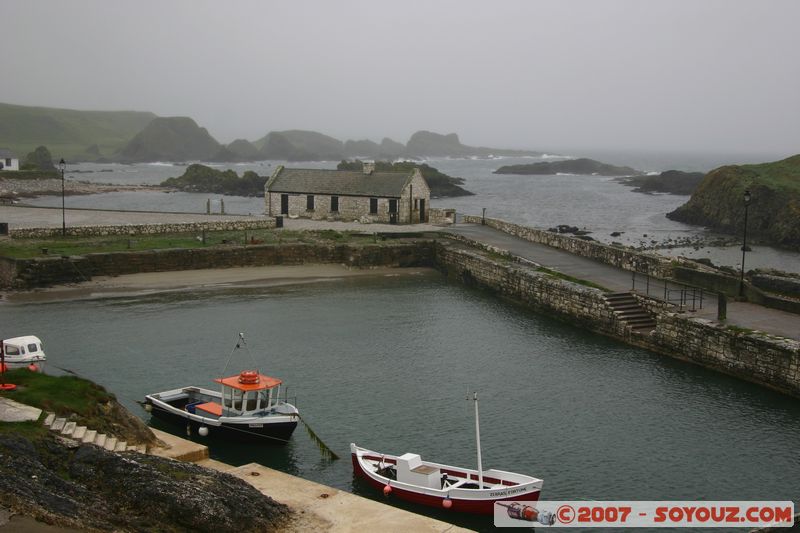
247	407
24	351
465	490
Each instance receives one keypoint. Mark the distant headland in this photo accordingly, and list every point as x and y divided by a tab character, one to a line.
139	137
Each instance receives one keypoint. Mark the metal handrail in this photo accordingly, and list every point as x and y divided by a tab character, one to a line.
674	293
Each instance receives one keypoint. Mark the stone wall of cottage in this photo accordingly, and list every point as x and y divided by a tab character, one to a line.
416	190
351	208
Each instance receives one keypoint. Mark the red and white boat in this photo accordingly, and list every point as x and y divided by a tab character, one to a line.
409	478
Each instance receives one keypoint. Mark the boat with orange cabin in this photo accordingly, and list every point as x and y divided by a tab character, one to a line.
247	406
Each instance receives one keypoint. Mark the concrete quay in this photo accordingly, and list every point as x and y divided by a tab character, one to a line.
316	507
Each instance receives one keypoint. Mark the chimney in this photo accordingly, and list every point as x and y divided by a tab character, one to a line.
368	168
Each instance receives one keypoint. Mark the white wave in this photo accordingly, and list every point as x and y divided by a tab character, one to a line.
653	173
566	174
160	164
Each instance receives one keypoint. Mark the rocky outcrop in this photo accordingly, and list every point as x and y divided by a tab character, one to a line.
170	139
774	212
200	178
441	184
430	144
670	181
582	166
88	488
300	145
244	150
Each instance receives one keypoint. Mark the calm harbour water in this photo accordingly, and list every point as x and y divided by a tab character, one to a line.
598	204
387	362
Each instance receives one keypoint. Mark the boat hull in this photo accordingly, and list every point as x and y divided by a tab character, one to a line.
475	505
272	432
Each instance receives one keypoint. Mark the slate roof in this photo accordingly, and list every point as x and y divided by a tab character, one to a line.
339	182
7	153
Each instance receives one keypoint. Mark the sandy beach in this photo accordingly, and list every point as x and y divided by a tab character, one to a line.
205	279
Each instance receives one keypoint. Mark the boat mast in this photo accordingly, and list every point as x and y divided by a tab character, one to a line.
478	441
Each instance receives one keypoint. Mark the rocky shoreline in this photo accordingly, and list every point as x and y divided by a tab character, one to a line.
12	190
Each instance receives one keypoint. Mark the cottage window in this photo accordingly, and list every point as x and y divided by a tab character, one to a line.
8	162
373	206
334	204
310	202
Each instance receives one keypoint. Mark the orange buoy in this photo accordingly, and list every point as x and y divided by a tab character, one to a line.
447	503
7	387
248	377
4	368
387	490
33	368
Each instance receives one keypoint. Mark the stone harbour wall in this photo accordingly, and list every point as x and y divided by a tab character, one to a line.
770	361
575	303
143	229
759	358
45	272
611	255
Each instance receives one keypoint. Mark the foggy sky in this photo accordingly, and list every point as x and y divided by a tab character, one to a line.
713	75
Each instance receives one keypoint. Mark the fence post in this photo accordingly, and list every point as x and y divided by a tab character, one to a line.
722	306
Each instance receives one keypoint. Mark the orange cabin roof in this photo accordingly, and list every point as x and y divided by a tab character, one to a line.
264	382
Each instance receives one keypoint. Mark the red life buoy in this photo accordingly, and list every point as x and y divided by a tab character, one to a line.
248	377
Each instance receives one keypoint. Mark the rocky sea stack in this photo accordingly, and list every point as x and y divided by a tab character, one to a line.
773	214
170	139
582	166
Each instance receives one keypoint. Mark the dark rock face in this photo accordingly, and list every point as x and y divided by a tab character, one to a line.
581	166
670	181
170	139
90	488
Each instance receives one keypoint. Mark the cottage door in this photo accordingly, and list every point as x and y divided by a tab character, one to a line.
393	211
422	210
284	204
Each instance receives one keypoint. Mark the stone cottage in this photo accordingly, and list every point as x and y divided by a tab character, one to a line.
367	196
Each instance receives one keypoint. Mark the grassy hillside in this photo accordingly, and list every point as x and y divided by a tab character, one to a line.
774	212
68	132
170	139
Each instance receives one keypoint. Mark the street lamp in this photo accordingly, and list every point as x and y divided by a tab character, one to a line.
747	199
62	165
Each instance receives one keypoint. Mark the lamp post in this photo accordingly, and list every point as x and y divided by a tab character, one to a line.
62	165
747	199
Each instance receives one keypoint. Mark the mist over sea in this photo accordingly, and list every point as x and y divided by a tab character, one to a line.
599	204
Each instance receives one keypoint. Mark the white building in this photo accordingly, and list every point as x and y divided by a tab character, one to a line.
8	161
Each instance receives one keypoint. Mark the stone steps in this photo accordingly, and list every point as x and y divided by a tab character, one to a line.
82	434
628	310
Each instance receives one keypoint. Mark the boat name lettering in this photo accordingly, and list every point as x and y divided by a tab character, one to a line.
507	492
255	425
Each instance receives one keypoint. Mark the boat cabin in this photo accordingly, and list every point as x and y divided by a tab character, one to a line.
28	348
248	393
411	469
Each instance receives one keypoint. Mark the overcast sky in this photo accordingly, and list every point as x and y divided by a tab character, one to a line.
704	75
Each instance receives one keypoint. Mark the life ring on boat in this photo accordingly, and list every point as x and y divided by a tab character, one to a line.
248	377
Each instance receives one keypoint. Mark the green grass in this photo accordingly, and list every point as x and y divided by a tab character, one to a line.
784	174
565	277
31	430
67	132
58	246
62	395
